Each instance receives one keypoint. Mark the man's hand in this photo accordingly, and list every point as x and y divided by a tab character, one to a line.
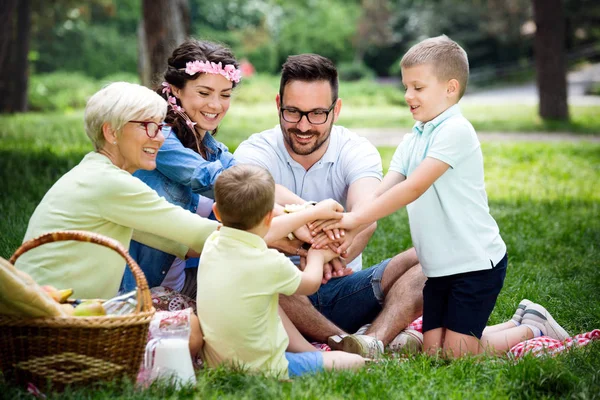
336	268
290	247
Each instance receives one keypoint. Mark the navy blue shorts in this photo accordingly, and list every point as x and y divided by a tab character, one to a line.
353	300
463	302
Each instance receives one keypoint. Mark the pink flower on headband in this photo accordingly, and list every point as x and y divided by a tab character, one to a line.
166	88
229	71
173	103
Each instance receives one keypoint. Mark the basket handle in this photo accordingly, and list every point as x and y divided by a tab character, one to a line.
144	302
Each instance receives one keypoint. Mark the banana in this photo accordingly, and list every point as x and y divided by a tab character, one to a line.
60	296
64	295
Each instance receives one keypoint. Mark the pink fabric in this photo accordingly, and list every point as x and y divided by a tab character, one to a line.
545	345
417	325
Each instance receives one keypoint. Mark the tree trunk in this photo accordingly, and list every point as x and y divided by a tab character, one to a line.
166	24
550	62
21	55
8	10
14	49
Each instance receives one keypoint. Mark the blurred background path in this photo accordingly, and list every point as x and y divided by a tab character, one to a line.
578	82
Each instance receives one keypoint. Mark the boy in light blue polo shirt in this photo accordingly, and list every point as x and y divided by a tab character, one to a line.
437	173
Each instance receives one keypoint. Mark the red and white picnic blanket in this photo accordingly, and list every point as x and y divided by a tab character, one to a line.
539	346
169	300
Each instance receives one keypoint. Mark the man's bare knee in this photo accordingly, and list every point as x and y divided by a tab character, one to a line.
398	267
309	321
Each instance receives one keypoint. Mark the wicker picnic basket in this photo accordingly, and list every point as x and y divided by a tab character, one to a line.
61	351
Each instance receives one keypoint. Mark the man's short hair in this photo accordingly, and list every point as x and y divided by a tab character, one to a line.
309	68
117	104
244	194
448	59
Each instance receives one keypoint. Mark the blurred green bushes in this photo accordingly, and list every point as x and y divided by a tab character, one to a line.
354	71
67	91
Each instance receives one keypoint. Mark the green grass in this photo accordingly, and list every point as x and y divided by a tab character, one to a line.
543	195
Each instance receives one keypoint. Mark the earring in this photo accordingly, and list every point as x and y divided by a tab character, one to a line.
115	142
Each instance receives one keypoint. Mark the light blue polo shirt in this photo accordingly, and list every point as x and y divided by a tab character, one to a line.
450	224
348	158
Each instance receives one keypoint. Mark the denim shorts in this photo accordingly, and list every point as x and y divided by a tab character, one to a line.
462	302
353	300
304	363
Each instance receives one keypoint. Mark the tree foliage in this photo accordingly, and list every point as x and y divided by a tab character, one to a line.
99	36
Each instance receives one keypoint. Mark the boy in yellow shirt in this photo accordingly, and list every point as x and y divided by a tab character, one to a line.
240	279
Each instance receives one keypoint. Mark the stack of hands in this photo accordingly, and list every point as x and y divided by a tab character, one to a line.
325	234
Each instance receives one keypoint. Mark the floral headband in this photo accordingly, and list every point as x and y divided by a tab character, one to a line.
230	72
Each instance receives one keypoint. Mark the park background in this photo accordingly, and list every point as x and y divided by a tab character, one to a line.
533	97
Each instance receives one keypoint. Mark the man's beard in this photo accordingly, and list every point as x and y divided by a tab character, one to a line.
303	150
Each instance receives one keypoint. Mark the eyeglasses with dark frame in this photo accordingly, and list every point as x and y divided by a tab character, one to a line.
152	128
314	117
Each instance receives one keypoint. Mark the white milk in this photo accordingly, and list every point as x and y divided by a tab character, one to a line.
171	359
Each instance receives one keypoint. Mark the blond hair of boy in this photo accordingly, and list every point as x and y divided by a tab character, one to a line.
448	59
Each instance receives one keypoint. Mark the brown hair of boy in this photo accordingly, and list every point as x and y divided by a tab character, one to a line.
244	194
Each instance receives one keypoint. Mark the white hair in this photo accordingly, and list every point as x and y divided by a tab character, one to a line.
118	103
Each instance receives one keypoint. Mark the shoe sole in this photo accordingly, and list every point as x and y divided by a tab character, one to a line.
413	342
351	344
335	342
560	333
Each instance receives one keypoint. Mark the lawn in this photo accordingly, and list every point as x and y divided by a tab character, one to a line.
543	195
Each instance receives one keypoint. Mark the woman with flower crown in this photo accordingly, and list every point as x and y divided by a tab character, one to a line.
198	84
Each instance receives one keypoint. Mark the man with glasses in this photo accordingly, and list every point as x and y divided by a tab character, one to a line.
316	160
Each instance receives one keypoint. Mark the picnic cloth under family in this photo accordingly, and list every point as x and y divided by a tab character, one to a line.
538	346
166	299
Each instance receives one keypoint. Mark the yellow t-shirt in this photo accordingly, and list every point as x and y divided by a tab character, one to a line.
239	282
98	196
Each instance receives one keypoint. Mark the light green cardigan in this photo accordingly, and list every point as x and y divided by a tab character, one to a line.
98	196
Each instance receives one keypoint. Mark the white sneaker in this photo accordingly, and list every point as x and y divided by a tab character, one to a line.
538	316
408	340
521	310
363	345
363	329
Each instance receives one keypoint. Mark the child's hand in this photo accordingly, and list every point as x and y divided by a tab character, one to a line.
328	209
326	253
348	222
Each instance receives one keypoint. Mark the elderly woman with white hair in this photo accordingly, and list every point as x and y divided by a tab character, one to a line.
100	195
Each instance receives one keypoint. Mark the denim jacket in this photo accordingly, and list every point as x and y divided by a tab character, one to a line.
180	176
